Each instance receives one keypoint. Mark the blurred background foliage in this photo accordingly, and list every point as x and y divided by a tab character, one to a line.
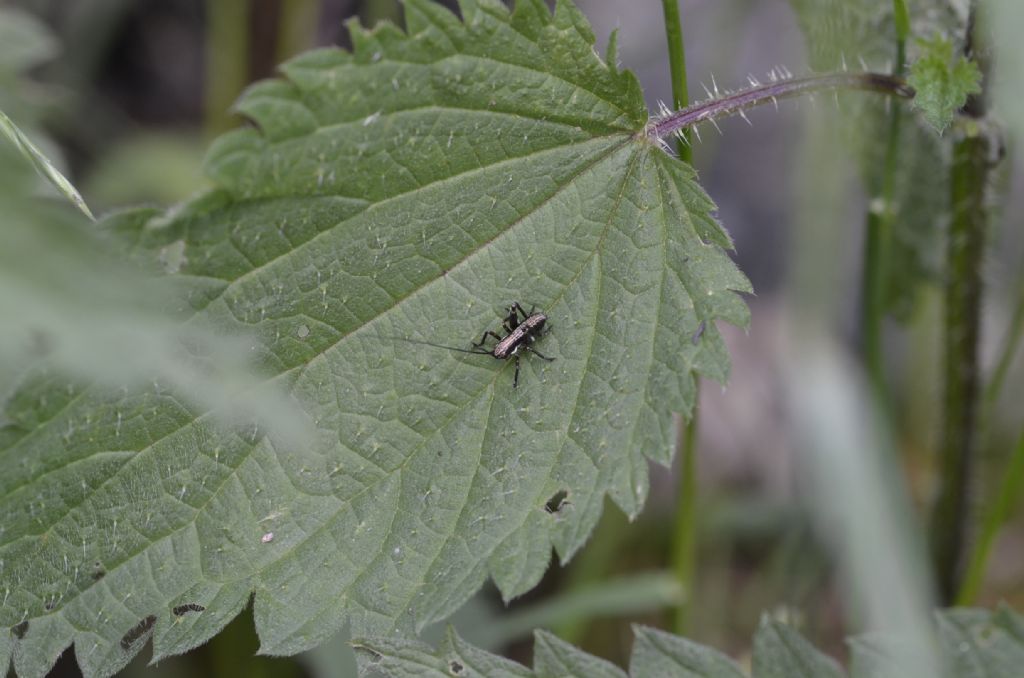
125	95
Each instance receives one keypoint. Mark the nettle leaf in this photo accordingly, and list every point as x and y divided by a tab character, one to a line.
655	654
781	652
406	192
842	33
971	642
943	82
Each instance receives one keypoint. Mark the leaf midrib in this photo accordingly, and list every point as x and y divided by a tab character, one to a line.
140	454
197	316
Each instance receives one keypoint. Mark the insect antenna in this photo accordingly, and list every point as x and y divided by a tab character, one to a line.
450	348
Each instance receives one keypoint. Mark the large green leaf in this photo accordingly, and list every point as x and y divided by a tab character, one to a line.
408	191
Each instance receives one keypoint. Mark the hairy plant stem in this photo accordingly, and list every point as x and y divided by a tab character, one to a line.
972	154
878	237
735	103
684	541
677	66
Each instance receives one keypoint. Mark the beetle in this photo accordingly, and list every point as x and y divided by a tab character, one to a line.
520	335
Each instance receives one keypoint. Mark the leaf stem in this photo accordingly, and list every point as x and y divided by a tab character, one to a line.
1009	350
734	103
1009	492
878	233
227	50
963	301
684	538
677	65
684	525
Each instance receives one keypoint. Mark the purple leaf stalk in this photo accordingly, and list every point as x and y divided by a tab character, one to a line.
781	86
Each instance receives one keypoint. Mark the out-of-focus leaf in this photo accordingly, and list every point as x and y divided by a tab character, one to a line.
42	164
625	595
844	33
781	652
657	653
405	193
160	169
980	644
977	643
554	657
1006	17
25	41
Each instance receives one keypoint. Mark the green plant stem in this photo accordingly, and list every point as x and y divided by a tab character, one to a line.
227	60
684	538
1012	483
297	27
1009	350
677	66
878	238
961	372
684	542
972	151
1009	493
961	329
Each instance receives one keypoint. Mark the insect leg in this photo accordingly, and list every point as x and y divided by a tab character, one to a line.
483	338
537	353
515	380
511	321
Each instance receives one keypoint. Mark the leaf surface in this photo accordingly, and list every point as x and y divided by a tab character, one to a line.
409	191
943	82
973	643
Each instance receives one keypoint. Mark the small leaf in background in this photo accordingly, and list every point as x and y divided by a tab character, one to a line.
552	656
25	42
943	81
42	164
657	653
1004	20
781	652
975	642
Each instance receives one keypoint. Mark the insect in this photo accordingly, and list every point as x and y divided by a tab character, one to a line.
520	335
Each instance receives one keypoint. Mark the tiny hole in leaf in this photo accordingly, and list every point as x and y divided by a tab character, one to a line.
557	501
455	667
